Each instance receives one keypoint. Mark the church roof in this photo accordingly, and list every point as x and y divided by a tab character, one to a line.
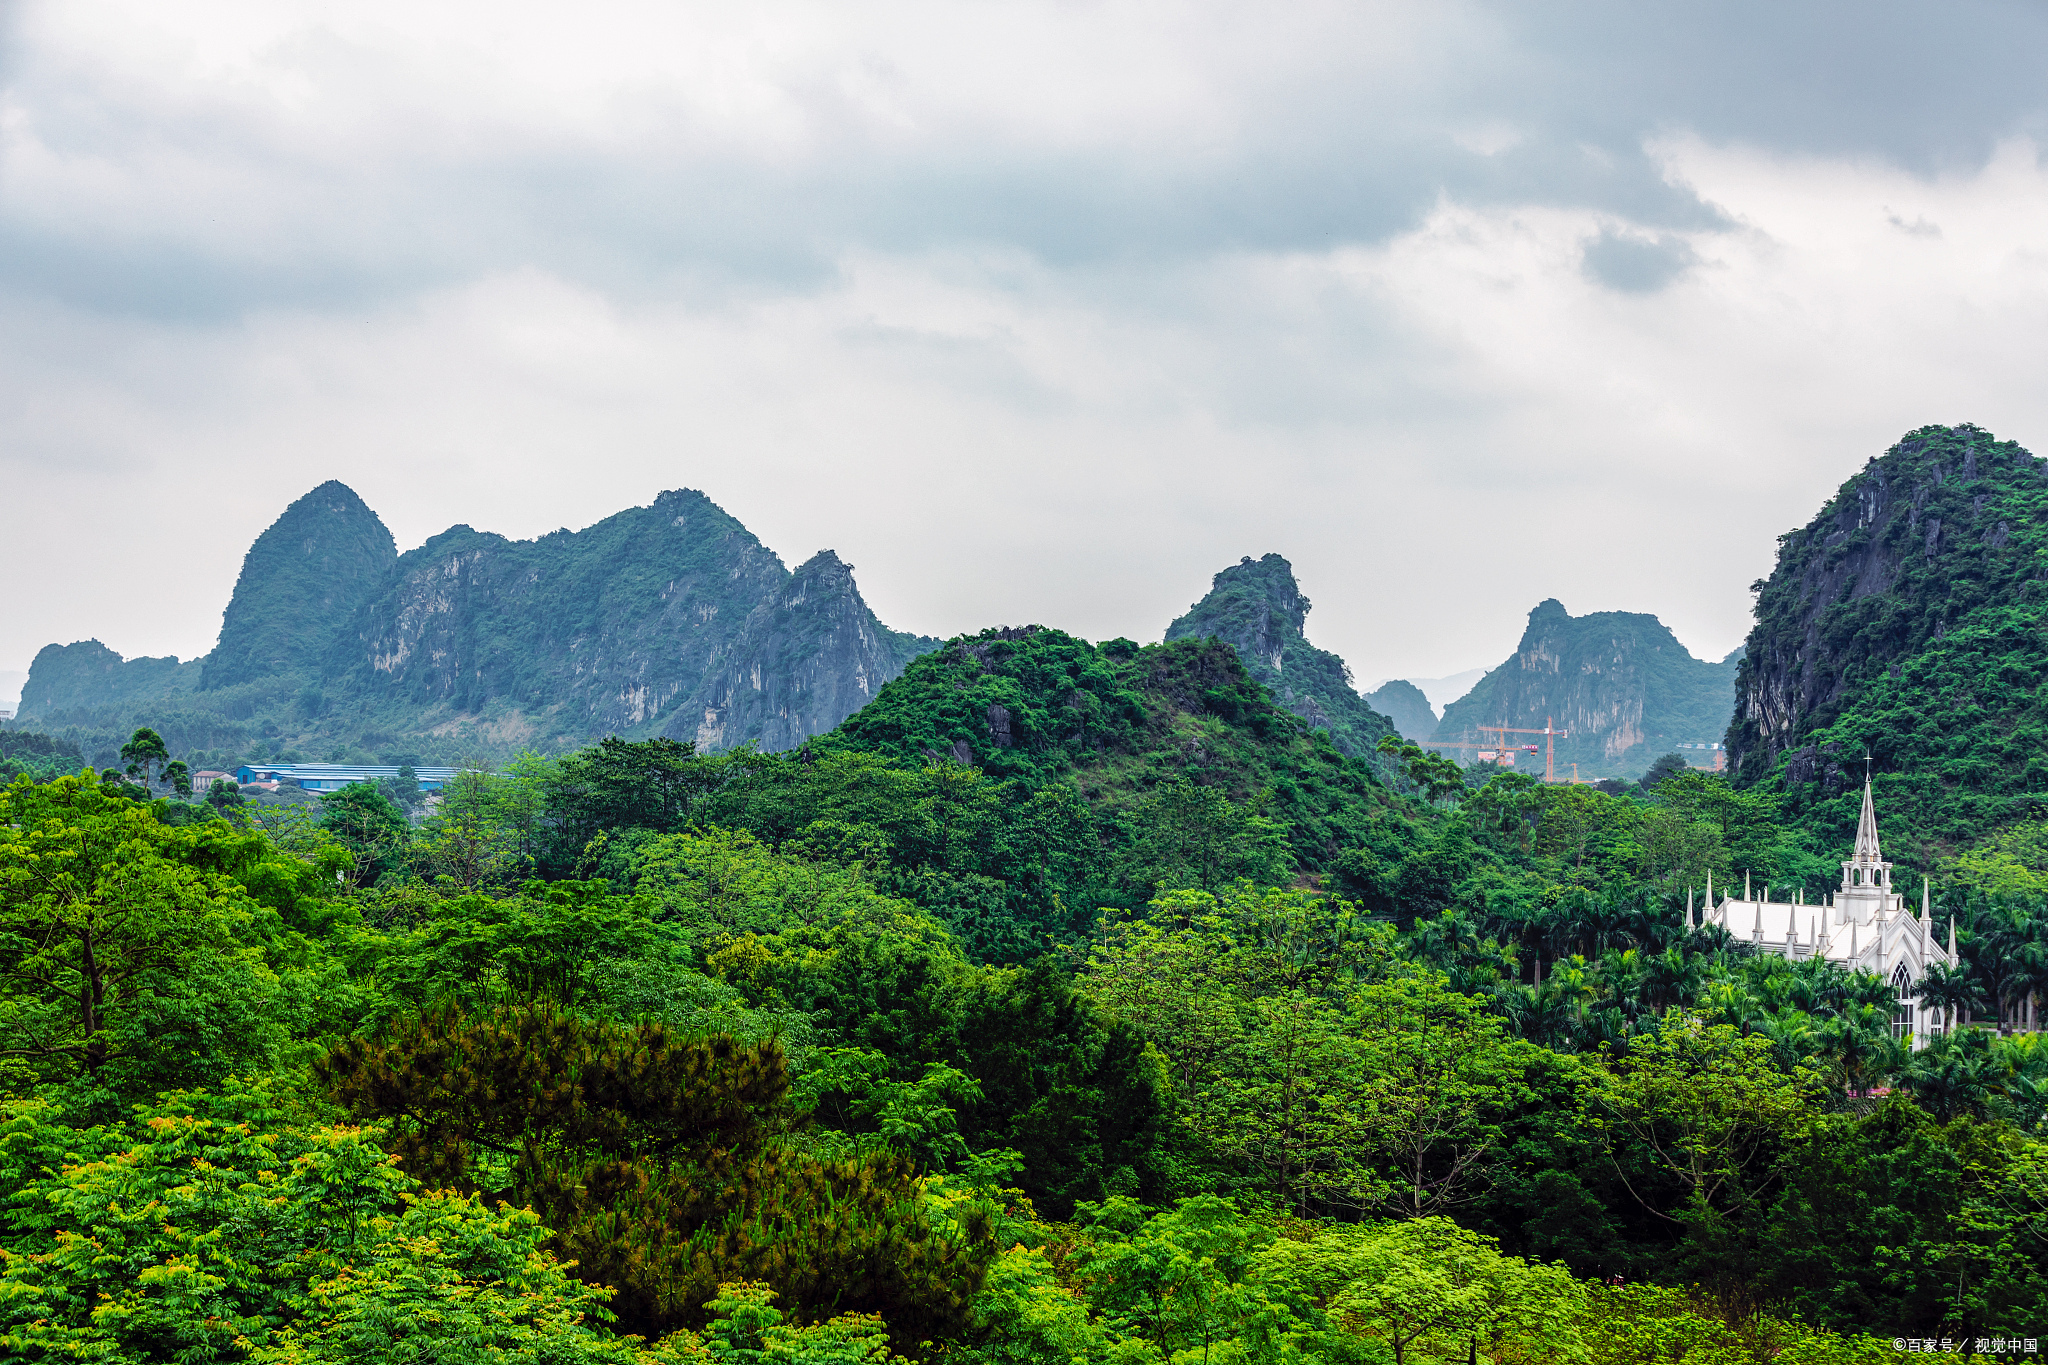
1866	830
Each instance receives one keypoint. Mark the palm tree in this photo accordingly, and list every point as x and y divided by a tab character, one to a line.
1858	1042
1550	934
2029	975
1623	980
1809	982
1539	1014
1613	921
2028	1096
1672	977
2004	941
1729	1002
1956	1074
1793	1032
1955	991
1609	1026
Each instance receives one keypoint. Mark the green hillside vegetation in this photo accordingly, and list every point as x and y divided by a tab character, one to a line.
1016	781
1256	607
301	582
1068	1004
640	1054
1906	621
25	754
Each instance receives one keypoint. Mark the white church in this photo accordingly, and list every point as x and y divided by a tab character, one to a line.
1863	926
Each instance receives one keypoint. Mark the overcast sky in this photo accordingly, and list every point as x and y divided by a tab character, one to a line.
1033	312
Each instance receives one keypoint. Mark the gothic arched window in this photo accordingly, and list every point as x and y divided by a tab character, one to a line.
1902	1013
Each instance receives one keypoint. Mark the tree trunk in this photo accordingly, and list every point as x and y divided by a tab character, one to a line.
92	997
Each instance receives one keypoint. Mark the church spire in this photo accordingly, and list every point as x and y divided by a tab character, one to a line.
1866	830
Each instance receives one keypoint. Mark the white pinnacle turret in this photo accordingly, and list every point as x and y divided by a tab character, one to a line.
1866	830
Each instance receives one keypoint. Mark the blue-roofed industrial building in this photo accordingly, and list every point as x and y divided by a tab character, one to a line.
330	777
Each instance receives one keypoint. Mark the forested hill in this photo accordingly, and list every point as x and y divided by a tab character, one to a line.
1017	781
301	582
669	619
1618	681
1257	608
1116	721
68	679
1905	620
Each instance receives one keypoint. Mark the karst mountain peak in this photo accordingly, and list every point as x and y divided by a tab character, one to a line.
670	619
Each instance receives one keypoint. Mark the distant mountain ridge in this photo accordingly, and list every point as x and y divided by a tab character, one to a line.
666	619
1618	681
1256	607
1406	705
87	675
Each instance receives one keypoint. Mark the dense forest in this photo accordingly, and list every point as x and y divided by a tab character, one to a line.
1068	1003
1065	1002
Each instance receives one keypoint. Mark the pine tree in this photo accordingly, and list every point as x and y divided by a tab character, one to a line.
663	1163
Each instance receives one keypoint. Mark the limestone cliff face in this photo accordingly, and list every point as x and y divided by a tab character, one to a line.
1257	608
1619	682
1940	526
806	658
670	618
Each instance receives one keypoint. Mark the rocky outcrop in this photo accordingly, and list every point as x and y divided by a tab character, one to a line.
1619	682
670	618
607	629
1938	527
301	582
805	659
1257	608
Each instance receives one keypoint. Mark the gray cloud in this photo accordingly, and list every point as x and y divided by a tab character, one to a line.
1031	311
371	187
1637	265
